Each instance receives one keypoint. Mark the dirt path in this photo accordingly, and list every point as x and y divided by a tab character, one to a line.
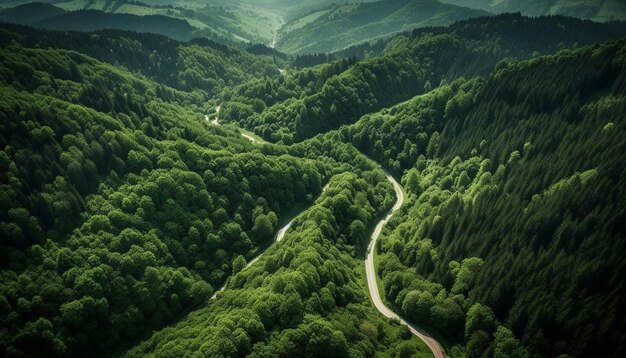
371	275
216	122
279	236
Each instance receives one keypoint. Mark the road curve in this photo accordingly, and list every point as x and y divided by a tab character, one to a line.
279	236
216	122
370	272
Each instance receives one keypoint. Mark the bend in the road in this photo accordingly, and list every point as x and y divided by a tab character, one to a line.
216	122
372	284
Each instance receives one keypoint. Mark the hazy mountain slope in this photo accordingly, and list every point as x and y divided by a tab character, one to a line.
200	65
346	25
29	14
225	21
600	10
93	20
512	28
292	10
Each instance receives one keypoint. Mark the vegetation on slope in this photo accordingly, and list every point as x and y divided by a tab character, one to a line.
120	210
200	66
410	65
513	216
345	25
597	10
303	296
228	22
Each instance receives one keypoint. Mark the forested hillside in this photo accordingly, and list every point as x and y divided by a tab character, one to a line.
304	295
120	209
337	27
514	216
230	22
200	66
598	10
140	217
410	65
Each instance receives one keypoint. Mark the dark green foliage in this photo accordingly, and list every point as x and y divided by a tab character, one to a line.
122	208
302	297
200	65
120	211
291	110
596	10
514	205
92	20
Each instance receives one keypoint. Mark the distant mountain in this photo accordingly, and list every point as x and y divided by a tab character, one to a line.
92	20
599	10
30	14
337	27
229	22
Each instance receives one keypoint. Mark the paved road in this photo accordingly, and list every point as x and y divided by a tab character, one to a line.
371	276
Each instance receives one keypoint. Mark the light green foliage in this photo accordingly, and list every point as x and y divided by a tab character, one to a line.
465	277
479	318
506	345
302	296
341	26
238	264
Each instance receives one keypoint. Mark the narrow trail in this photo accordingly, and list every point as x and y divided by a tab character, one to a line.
369	261
372	284
272	44
279	236
216	122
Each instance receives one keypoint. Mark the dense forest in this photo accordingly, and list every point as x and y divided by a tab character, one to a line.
512	179
200	66
120	210
140	217
607	10
340	26
410	65
303	295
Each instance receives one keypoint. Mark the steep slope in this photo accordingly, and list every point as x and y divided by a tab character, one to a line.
29	14
121	207
372	281
201	66
515	209
92	20
409	65
598	10
303	296
229	22
341	26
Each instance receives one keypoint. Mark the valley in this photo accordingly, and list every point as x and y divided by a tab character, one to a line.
272	178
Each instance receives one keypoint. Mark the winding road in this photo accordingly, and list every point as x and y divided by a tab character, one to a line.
279	236
370	272
216	122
